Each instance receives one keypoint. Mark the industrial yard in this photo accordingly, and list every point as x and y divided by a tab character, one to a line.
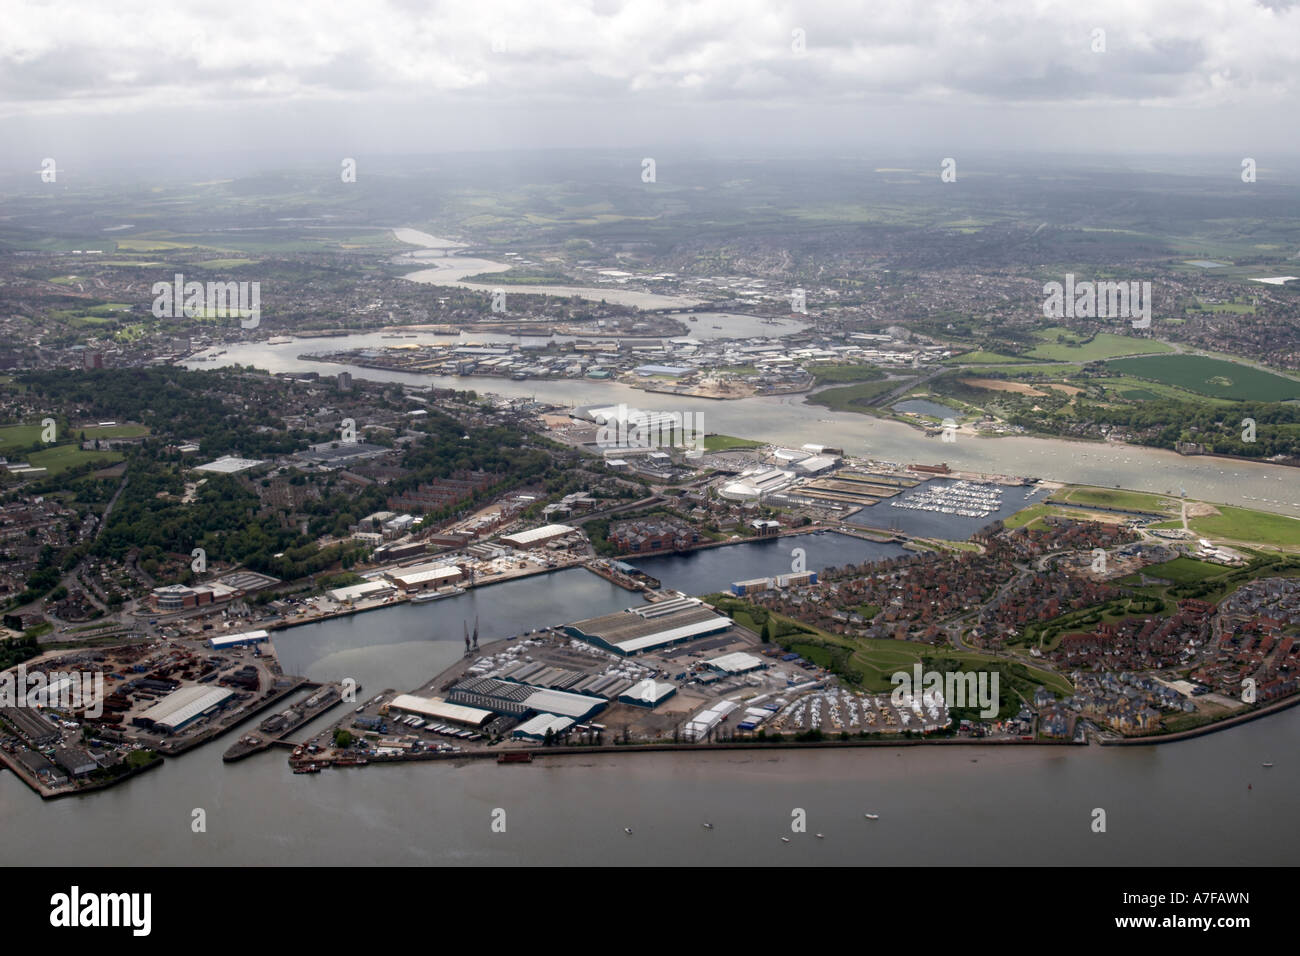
105	714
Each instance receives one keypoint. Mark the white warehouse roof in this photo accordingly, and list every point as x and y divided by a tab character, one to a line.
736	663
184	703
537	534
437	707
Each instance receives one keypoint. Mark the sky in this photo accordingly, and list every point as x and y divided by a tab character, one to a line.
139	79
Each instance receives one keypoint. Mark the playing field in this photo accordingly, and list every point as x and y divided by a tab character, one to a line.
1241	524
1185	570
1209	376
1105	345
1115	498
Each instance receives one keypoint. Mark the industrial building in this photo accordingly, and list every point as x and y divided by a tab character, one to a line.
75	761
536	537
370	589
440	709
648	693
182	707
236	640
423	576
699	726
656	625
513	699
536	728
737	663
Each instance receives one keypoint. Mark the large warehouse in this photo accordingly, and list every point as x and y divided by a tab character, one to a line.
536	537
640	629
523	700
235	640
182	707
426	576
439	709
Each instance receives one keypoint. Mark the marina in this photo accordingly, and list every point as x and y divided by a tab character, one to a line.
965	498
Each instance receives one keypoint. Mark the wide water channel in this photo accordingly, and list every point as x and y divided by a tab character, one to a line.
1182	803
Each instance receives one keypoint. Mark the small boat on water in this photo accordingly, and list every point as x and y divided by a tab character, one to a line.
516	756
424	597
708	826
1268	763
627	829
307	768
872	816
785	839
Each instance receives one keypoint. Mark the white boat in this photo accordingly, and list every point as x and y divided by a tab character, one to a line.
427	596
872	816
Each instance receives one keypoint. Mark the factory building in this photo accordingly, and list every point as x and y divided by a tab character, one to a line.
236	640
648	693
439	709
699	726
182	707
640	629
536	727
536	537
75	761
369	589
737	663
513	699
423	576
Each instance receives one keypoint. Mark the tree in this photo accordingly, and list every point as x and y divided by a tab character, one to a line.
550	737
342	738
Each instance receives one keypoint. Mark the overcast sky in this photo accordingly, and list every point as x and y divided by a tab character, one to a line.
97	79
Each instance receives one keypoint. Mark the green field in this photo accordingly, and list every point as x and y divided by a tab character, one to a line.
724	442
1242	524
1114	498
1185	570
1208	376
980	357
852	398
1104	346
62	457
17	436
824	374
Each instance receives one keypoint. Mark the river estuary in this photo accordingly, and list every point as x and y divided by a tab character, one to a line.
1198	802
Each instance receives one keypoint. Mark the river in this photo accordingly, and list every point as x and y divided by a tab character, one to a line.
1185	803
786	419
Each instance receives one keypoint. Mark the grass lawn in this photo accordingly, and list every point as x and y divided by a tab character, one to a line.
1242	524
15	436
62	457
1105	345
1183	570
226	263
852	398
981	357
112	431
724	442
823	374
1209	376
1115	498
